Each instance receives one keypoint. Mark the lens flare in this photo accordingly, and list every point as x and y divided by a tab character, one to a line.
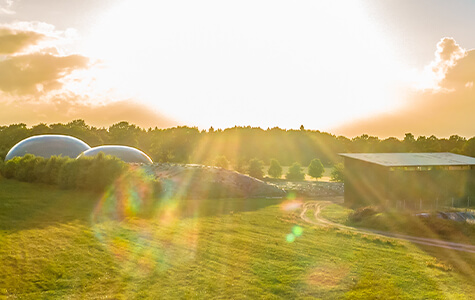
128	197
290	205
290	238
297	230
141	229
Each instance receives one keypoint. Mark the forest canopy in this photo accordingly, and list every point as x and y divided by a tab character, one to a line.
237	144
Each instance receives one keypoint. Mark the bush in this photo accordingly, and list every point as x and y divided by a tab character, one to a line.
8	169
362	213
338	173
295	172
103	171
89	173
256	167
315	169
275	170
25	168
222	162
50	173
240	166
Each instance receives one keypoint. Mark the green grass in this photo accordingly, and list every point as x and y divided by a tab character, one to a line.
59	244
336	213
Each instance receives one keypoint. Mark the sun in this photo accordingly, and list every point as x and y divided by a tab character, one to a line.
264	63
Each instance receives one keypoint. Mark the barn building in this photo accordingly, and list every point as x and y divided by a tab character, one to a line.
409	180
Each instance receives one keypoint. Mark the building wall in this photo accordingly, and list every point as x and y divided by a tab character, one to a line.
408	188
365	183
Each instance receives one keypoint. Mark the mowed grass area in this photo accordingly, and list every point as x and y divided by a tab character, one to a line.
63	244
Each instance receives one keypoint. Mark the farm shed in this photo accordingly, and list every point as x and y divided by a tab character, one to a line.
409	180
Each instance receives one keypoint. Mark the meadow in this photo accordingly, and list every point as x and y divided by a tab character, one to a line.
59	244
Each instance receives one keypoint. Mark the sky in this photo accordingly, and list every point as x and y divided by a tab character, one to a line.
347	67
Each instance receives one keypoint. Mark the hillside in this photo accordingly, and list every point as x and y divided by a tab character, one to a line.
53	244
198	181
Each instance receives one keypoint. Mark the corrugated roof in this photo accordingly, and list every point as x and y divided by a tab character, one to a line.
413	159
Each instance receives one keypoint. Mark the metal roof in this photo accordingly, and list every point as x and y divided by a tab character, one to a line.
413	159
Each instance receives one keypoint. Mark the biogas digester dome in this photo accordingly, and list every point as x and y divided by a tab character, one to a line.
127	154
48	145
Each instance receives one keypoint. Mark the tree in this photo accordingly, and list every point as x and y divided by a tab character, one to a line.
256	167
315	169
409	142
338	173
295	172
222	162
123	133
275	170
240	166
469	147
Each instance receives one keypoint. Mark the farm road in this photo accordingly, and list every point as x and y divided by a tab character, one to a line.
317	206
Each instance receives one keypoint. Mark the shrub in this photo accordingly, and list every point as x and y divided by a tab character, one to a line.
26	167
103	171
362	213
90	173
222	162
52	168
315	169
240	166
275	170
338	173
8	170
295	172
256	167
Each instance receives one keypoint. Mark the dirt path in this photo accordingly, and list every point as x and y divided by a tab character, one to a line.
317	206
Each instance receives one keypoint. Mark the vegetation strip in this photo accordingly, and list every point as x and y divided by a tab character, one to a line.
318	206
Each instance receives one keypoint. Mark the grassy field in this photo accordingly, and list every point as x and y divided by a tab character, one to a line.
66	244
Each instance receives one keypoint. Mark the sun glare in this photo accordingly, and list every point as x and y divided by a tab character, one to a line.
214	63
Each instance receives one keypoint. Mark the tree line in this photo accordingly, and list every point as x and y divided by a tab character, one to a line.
237	145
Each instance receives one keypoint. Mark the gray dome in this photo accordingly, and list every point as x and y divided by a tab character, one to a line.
47	146
127	154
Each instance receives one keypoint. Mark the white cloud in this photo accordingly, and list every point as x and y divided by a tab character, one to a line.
6	7
443	108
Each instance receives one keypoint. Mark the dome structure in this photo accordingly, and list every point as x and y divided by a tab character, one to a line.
48	145
127	154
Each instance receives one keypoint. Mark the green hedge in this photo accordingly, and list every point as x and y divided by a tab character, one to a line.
87	173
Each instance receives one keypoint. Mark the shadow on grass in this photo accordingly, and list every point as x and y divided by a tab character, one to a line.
406	223
30	205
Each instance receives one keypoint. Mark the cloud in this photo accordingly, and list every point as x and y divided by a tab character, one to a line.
447	54
13	41
461	74
442	111
31	61
33	73
40	82
69	107
5	7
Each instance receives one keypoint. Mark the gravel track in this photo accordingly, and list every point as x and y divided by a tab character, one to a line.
317	206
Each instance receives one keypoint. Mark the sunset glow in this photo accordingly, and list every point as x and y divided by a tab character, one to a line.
330	65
